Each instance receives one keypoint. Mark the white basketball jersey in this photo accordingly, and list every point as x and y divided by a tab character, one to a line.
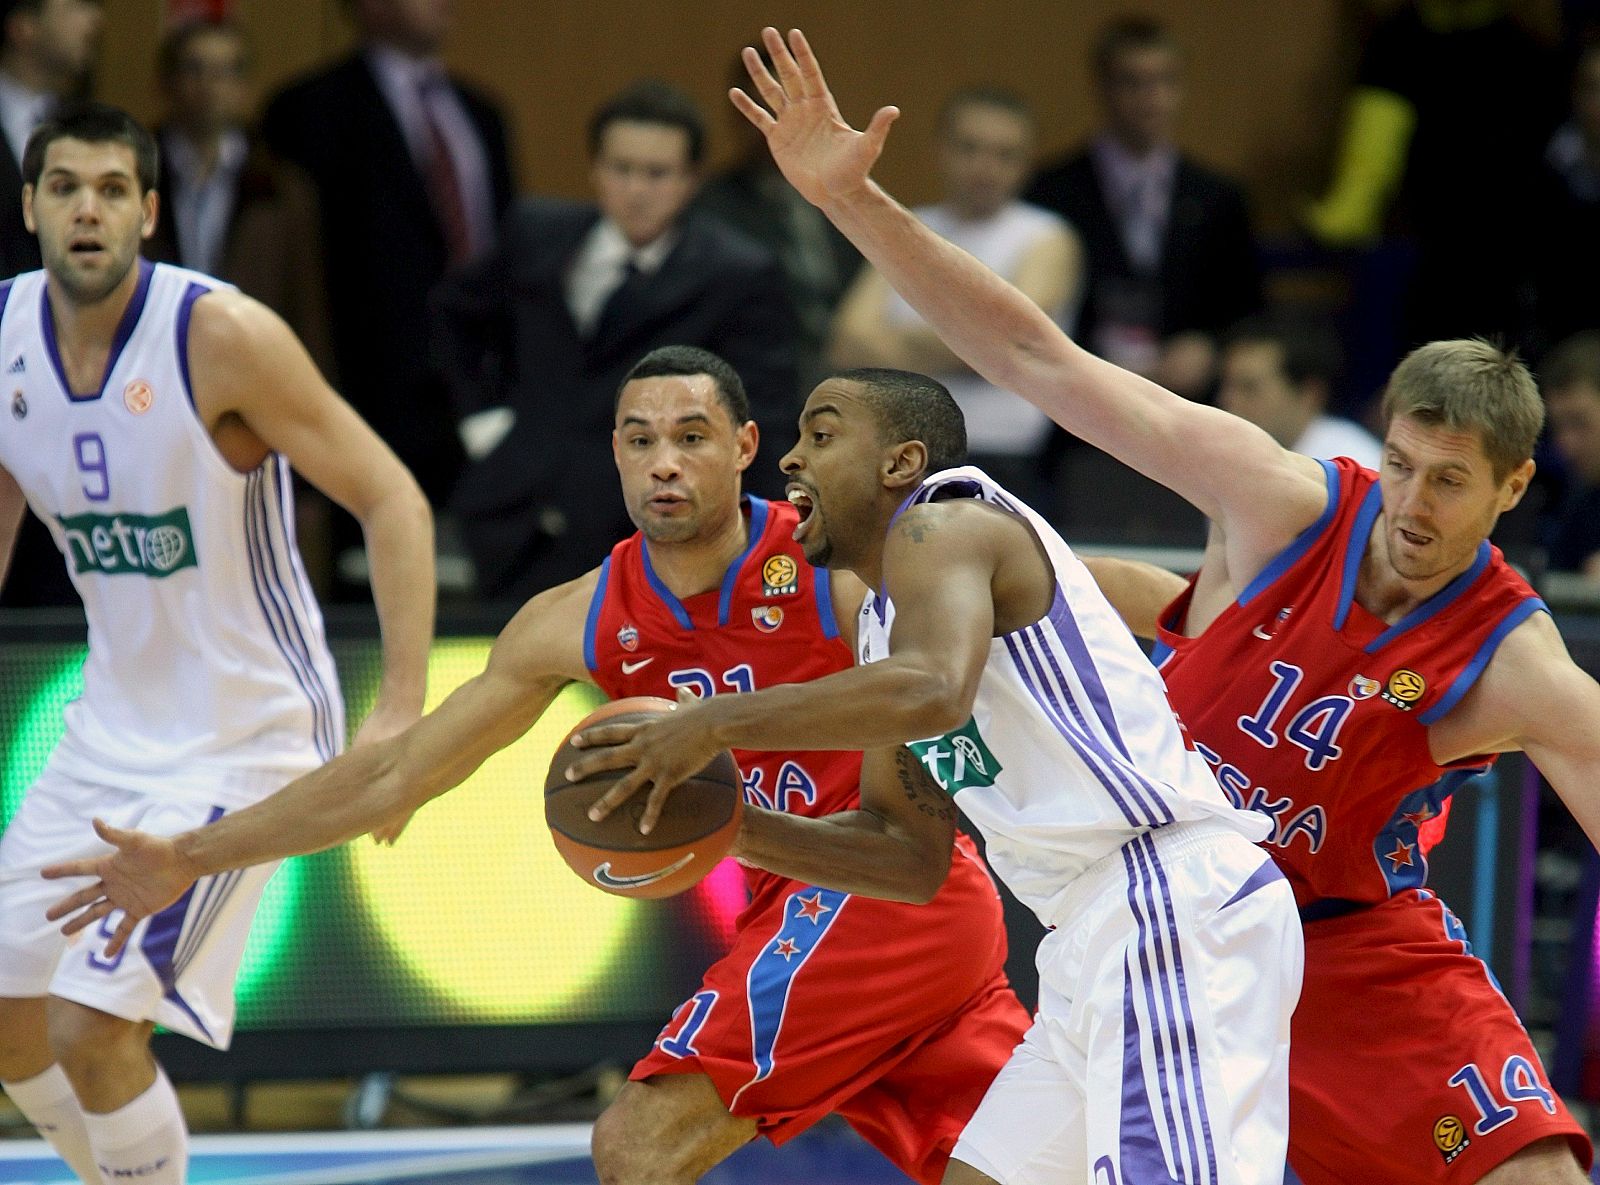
207	676
1072	749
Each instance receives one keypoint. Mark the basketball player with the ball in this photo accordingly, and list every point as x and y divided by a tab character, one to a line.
713	595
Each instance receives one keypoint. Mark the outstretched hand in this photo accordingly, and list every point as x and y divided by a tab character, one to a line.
143	876
822	156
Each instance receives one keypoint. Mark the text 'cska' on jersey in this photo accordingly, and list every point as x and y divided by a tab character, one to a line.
1315	712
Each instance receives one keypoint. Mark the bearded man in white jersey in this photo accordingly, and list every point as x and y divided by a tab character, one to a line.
152	418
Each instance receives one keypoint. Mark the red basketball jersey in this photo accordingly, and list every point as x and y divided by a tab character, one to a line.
1316	713
771	622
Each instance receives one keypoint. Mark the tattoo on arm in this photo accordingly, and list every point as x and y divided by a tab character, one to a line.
921	790
918	529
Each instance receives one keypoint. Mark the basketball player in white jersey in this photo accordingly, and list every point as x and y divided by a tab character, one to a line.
149	419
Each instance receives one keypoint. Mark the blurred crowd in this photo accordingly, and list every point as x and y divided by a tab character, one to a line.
483	331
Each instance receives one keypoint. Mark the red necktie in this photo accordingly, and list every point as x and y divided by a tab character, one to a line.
444	184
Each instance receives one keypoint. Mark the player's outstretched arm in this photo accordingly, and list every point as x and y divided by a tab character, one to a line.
897	846
538	654
12	508
940	564
1224	465
247	362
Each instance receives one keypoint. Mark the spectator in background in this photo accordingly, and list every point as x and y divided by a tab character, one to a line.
1279	372
1171	261
229	208
1570	382
1564	254
986	143
412	173
818	262
47	52
536	337
1453	103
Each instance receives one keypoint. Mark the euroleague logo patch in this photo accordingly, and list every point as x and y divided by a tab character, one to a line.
137	397
780	576
1450	1137
1405	688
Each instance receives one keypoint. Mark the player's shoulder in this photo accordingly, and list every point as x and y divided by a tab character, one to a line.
547	632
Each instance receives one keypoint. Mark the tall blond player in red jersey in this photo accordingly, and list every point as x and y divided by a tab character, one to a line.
1315	661
712	596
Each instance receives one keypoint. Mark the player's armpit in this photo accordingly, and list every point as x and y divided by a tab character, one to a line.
13	505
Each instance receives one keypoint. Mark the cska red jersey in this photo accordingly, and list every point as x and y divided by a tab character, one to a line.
771	622
1315	712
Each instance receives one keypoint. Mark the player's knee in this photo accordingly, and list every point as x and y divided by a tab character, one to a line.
622	1153
24	1046
657	1135
1546	1162
86	1041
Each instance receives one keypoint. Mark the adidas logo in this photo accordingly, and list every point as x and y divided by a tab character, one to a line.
17	366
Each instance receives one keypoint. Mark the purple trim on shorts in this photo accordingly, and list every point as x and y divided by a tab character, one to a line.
1267	874
160	943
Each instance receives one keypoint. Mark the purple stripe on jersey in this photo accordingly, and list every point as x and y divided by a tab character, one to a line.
5	296
1145	846
301	629
119	339
1134	784
1470	673
1071	636
185	310
1052	713
1434	605
1162	1040
271	611
596	603
294	636
1139	1155
730	578
1267	874
1285	559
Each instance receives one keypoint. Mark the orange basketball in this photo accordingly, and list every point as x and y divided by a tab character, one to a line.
694	832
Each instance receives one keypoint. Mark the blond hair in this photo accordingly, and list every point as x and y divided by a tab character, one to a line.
1470	385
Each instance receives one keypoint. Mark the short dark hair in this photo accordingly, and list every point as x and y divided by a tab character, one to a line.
1129	34
170	54
96	123
684	361
912	406
9	8
1308	346
1575	362
651	101
984	96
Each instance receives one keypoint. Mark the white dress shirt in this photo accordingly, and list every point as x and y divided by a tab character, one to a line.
21	110
202	206
602	263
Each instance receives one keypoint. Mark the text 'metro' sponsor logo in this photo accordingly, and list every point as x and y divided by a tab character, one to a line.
130	544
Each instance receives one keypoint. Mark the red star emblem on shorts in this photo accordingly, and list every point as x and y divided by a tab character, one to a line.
1401	856
812	908
787	948
1418	818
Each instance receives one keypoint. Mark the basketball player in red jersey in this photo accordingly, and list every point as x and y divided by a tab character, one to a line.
712	596
1351	648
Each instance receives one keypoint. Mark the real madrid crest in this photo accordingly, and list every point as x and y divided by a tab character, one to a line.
780	576
19	405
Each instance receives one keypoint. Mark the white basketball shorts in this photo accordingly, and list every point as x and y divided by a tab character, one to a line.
1160	1052
178	969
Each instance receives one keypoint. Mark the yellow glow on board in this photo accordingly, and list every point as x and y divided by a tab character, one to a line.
474	898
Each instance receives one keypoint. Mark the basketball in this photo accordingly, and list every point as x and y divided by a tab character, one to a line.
694	832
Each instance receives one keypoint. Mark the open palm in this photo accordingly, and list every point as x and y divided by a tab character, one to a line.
820	154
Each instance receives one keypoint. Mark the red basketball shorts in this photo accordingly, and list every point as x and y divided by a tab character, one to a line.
1406	1063
895	1016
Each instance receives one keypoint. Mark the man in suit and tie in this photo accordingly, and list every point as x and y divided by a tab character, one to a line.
413	174
1171	262
535	340
47	49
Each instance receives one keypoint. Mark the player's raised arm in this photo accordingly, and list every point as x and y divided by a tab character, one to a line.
538	654
1228	468
245	361
896	847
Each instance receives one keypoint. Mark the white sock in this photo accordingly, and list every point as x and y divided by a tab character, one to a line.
145	1141
47	1101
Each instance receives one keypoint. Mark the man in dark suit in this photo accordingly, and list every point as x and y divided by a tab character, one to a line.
535	341
413	174
1171	262
47	49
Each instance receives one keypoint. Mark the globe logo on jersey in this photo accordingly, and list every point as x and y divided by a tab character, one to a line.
164	548
130	544
958	760
780	576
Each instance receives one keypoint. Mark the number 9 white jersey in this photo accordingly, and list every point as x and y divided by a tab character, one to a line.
208	677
